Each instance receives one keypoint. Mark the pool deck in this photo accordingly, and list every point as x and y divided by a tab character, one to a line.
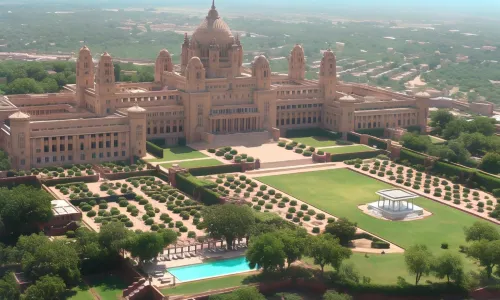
204	257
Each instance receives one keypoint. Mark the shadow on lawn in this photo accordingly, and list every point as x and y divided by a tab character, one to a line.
80	287
180	150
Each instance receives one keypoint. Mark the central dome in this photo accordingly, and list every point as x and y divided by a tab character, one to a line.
213	28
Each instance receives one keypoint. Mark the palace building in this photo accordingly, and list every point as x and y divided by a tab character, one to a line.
209	96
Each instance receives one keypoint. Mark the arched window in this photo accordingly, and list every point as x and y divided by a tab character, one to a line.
265	74
198	75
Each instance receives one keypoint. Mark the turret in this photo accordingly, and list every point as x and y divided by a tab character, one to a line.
20	149
213	58
328	75
422	102
137	120
297	64
84	74
163	64
262	72
184	53
105	85
195	75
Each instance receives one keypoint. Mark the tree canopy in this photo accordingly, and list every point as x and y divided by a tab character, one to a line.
266	251
47	287
481	231
342	229
326	250
9	290
418	261
487	253
23	208
228	221
448	265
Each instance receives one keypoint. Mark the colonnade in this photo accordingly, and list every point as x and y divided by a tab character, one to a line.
233	125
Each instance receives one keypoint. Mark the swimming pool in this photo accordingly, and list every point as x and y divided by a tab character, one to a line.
211	269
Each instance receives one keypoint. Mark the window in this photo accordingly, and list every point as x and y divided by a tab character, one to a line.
70	138
123	153
62	158
93	145
54	148
45	139
115	134
81	137
115	154
70	157
46	159
82	156
101	144
54	138
54	158
180	128
62	138
93	155
45	149
61	147
101	155
70	147
82	146
92	135
108	154
38	160
23	162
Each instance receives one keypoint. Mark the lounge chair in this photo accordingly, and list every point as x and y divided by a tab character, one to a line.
174	257
167	258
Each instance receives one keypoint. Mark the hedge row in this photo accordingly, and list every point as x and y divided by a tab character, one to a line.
86	179
375	142
112	198
448	169
362	155
413	157
154	149
407	290
306	132
204	171
378	132
197	188
353	138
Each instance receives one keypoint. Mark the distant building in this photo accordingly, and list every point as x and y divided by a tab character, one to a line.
339	46
65	216
391	50
462	58
489	48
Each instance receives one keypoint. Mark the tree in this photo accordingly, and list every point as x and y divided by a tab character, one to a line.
47	288
326	250
487	253
50	85
295	242
42	257
112	236
9	290
461	154
481	231
87	244
418	261
267	252
332	295
342	229
23	208
169	236
118	71
24	86
474	142
440	119
146	245
483	125
448	265
228	221
455	128
416	142
491	163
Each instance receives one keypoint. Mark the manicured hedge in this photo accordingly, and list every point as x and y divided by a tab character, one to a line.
488	181
413	157
380	144
362	155
198	188
306	132
378	132
353	138
154	149
380	245
204	171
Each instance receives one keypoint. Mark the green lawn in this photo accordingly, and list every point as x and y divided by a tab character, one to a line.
195	163
436	140
206	285
316	141
347	149
340	191
80	293
109	287
178	153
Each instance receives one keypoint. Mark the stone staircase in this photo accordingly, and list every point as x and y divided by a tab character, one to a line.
296	167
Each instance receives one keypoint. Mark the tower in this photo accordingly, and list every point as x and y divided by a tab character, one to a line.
137	121
328	75
262	72
20	140
213	58
195	75
105	85
84	74
297	64
163	64
422	102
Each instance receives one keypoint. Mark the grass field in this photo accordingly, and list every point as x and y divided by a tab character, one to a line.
80	293
195	163
316	141
178	153
109	287
436	140
347	149
206	285
340	191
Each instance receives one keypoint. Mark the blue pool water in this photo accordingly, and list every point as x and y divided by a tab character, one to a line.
211	269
